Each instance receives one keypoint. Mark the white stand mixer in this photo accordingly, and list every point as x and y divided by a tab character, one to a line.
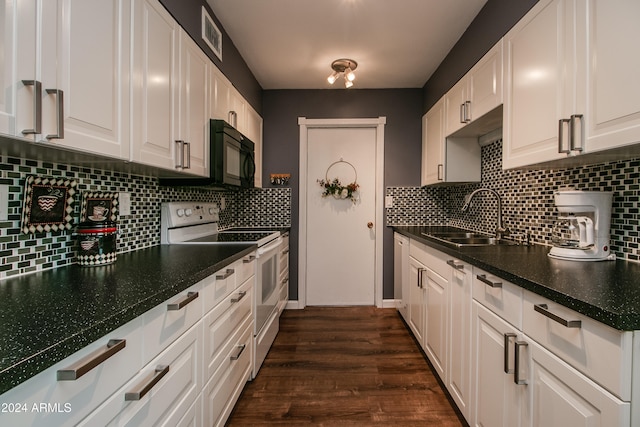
581	232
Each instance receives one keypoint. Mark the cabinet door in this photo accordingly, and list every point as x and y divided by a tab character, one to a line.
400	273
254	133
92	70
433	145
564	397
416	299
457	102
539	60
497	400
219	87
8	74
485	83
459	357
612	67
237	107
437	310
155	85
194	106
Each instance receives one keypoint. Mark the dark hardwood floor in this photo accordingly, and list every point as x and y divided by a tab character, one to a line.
354	366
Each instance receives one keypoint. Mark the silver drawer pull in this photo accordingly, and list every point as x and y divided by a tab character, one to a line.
37	106
147	383
59	114
507	342
455	265
249	259
544	309
226	274
516	378
179	154
239	351
285	252
179	305
241	295
86	364
483	279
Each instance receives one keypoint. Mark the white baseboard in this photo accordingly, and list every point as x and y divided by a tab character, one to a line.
295	304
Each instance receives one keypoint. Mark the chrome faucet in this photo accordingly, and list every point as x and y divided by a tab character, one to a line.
500	229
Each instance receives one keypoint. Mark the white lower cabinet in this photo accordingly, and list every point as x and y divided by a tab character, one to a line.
497	401
459	335
161	393
511	358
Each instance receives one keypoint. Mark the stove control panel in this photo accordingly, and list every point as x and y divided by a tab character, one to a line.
181	214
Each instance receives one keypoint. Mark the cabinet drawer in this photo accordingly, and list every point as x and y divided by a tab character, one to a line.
501	297
219	285
432	258
164	323
77	398
222	323
223	389
598	351
166	401
245	268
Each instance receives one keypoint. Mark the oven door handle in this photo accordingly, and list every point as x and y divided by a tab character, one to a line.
271	246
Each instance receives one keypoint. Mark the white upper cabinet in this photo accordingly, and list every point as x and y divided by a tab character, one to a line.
433	145
254	133
477	93
155	85
67	71
8	76
571	85
194	106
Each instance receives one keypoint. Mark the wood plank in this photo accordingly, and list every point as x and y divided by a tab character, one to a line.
344	366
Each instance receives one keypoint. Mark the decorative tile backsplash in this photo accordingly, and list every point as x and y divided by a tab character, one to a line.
527	196
24	253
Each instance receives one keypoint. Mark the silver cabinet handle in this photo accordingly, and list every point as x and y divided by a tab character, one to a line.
59	114
147	383
544	310
440	172
188	156
180	154
37	107
89	362
516	378
420	271
241	295
483	279
285	252
507	342
249	259
182	302
467	111
233	118
228	272
239	351
462	113
572	132
561	148
454	264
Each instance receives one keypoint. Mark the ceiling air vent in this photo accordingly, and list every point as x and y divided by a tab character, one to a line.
211	34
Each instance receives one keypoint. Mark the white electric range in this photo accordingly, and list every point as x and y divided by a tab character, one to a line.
196	223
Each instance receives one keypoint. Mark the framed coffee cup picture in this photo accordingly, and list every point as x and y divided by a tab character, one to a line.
48	204
99	206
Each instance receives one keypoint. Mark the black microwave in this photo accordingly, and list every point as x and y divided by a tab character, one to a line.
231	161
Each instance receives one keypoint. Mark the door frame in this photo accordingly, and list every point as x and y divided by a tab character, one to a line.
305	124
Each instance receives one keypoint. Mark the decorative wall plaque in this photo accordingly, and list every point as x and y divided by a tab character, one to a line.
48	204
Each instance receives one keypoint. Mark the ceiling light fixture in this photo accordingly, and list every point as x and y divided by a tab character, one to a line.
345	68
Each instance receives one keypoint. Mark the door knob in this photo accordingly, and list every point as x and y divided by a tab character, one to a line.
370	224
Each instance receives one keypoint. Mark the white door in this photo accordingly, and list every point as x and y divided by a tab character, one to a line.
340	244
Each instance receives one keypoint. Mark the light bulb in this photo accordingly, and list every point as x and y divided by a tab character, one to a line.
332	78
348	83
349	74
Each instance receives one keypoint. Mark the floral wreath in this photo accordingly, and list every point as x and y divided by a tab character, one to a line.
336	189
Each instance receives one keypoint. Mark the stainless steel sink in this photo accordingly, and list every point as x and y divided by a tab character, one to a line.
466	238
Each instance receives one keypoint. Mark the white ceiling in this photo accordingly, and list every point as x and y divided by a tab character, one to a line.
290	44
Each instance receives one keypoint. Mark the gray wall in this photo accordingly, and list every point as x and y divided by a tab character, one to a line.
493	21
403	133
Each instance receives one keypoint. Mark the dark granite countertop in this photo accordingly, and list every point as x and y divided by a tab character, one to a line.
607	291
47	316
